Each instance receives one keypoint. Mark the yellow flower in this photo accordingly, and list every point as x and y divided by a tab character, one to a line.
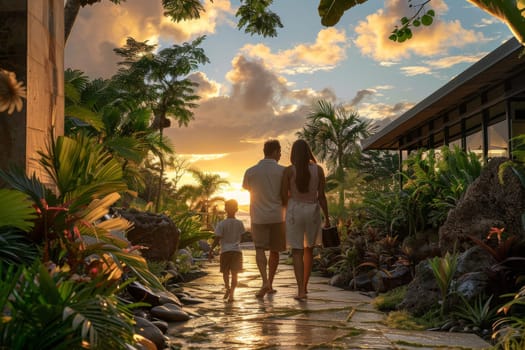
11	92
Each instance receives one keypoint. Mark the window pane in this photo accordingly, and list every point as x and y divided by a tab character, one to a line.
475	143
497	137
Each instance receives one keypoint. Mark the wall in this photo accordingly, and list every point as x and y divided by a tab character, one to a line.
32	45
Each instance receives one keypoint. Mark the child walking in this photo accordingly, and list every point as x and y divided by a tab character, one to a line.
228	234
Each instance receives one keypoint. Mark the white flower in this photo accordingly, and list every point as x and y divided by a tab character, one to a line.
11	92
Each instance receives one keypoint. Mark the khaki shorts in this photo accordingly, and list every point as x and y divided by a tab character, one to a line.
231	261
269	236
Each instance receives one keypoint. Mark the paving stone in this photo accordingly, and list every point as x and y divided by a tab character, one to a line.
330	318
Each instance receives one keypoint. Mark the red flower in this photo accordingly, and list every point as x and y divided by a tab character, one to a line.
496	231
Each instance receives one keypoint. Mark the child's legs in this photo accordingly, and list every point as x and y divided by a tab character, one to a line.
226	278
234	281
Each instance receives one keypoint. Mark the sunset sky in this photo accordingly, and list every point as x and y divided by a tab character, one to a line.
258	88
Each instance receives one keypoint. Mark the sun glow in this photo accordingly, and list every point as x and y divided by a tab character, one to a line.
241	196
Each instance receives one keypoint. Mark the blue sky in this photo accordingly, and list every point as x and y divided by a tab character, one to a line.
257	88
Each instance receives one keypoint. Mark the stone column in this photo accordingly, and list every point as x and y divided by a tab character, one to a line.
32	46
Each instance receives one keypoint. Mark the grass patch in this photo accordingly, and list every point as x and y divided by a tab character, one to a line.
388	301
416	345
403	320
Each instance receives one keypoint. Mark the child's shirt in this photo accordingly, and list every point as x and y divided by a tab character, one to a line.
230	231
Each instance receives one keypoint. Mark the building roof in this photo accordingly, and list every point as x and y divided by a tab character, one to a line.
491	69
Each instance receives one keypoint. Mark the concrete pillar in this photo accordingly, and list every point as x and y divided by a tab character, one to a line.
32	46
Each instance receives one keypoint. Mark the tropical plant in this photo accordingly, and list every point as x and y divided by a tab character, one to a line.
45	307
383	211
69	226
16	210
190	229
161	82
509	331
508	11
254	16
334	133
15	247
108	112
201	195
444	269
476	313
434	181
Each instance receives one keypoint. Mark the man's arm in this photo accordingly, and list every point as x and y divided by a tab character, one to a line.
285	186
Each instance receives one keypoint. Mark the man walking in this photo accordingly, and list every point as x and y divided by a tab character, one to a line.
263	180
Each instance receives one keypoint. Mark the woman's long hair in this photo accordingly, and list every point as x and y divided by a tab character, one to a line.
300	157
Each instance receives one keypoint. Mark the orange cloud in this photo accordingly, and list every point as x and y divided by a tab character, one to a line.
104	26
372	33
326	53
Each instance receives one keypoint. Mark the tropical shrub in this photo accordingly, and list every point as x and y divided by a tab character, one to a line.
478	313
63	264
444	269
509	331
45	307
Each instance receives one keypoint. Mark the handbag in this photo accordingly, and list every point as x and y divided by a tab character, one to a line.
330	237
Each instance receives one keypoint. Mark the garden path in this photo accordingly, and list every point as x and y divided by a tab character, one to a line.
331	318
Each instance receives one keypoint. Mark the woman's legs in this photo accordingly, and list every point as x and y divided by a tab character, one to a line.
298	268
308	260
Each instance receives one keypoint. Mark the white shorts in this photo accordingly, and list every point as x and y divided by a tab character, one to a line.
303	225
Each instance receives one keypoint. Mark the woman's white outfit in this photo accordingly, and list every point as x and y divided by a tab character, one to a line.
303	214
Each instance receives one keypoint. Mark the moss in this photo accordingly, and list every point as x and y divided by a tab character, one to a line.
403	320
388	301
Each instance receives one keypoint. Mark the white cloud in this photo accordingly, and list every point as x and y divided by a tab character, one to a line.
373	32
326	53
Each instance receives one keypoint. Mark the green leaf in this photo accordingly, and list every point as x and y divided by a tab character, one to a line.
404	20
416	23
331	11
431	13
16	210
427	20
408	33
393	37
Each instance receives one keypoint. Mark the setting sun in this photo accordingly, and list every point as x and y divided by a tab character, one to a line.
241	196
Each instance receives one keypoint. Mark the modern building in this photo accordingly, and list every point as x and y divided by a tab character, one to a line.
479	110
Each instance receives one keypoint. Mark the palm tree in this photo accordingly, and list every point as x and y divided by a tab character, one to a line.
106	111
201	195
334	134
161	83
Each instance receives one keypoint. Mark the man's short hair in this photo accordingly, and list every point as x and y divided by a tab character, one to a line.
270	147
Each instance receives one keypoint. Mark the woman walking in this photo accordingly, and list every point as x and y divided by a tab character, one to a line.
302	192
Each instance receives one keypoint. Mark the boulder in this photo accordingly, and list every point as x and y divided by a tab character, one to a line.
150	331
423	292
169	313
486	203
140	292
157	232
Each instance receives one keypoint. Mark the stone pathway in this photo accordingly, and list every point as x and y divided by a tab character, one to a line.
331	318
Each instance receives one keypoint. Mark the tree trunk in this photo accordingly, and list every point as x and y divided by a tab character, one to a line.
161	174
71	9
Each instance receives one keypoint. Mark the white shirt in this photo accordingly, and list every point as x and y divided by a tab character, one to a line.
263	180
230	231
